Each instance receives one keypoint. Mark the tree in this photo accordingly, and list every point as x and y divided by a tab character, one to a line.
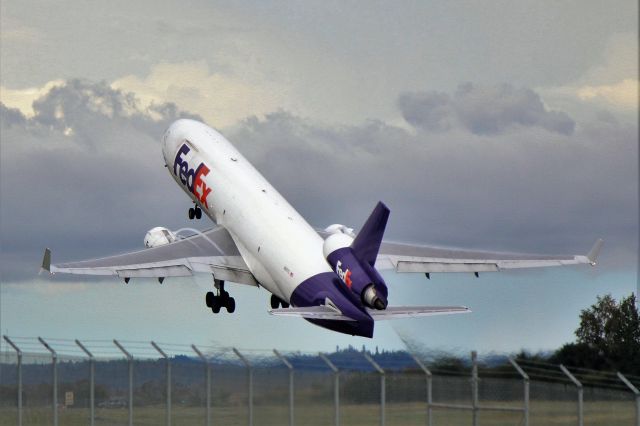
608	336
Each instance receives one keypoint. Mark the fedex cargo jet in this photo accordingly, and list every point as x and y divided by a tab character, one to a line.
328	277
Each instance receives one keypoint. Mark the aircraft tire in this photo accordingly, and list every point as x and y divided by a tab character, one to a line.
192	213
275	302
215	305
198	212
209	299
231	305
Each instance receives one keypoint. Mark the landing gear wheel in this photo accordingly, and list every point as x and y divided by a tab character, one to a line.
215	305
192	213
198	212
231	305
275	302
209	299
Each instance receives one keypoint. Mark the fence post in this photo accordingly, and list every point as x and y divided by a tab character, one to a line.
382	386
54	366
247	364
207	369
336	387
166	358
525	379
130	362
92	373
580	394
636	392
19	355
474	387
290	367
429	376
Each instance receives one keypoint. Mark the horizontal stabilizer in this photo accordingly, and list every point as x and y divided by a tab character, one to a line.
312	312
398	312
394	312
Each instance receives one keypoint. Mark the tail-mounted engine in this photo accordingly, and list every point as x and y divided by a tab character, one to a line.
353	259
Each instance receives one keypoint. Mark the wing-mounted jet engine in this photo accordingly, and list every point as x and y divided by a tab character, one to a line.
159	236
353	259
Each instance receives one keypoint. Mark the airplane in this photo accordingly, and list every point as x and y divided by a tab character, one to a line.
328	277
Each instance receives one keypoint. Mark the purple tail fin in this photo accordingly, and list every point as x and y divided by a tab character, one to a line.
367	243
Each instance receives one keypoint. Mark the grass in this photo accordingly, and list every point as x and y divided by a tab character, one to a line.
597	413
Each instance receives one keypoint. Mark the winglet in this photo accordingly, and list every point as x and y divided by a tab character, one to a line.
595	251
46	261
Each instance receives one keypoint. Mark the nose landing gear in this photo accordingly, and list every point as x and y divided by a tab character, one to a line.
195	212
221	299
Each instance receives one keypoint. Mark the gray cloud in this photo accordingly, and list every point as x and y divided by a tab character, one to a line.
97	190
81	106
347	74
524	190
11	116
81	175
482	110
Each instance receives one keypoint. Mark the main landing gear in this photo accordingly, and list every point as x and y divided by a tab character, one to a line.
276	301
195	212
221	299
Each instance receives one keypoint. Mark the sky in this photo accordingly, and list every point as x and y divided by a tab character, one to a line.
508	126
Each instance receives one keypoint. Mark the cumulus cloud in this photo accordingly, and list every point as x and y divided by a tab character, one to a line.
482	110
11	116
610	83
22	99
221	99
623	93
87	159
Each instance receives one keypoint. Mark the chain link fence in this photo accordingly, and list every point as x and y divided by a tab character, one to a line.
67	382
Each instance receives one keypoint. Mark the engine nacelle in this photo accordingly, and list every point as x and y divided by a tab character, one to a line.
334	242
337	228
159	236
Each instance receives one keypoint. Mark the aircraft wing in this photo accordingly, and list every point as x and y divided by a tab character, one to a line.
213	251
395	312
424	259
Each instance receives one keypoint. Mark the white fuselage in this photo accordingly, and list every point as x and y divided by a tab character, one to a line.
280	248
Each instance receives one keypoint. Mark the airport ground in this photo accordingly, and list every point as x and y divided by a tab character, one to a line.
605	413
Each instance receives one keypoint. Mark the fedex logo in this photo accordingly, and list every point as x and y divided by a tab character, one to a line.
192	179
344	275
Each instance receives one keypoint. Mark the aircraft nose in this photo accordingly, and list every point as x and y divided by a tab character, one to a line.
170	142
165	145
